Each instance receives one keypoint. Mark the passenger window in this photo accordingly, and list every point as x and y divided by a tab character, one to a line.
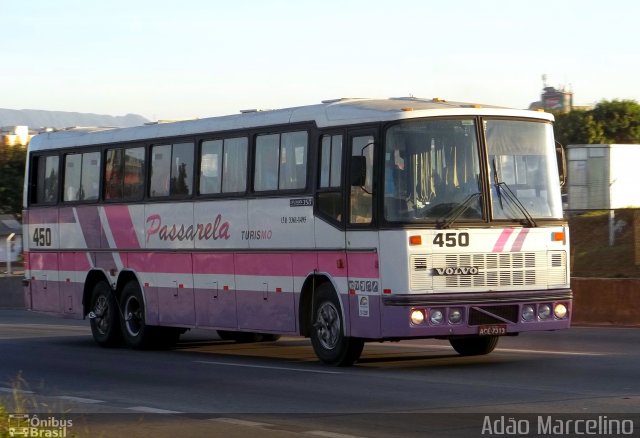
82	177
281	161
124	174
172	170
223	166
46	179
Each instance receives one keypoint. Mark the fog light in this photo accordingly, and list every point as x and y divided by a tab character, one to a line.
455	316
544	311
560	311
417	317
436	316
528	313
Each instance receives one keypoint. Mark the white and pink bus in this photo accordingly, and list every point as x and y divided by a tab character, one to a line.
348	221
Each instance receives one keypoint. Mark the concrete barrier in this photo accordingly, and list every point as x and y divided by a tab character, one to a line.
606	301
11	292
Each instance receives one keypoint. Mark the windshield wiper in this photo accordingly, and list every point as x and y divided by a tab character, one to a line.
454	214
511	197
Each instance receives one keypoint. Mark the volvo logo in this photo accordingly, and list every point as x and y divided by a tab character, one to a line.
458	270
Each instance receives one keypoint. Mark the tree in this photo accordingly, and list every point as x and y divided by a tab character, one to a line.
620	121
576	127
616	121
12	161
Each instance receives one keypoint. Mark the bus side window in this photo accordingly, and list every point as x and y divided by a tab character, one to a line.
172	170
46	184
330	187
361	201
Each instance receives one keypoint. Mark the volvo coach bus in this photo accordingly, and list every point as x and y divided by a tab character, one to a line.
349	221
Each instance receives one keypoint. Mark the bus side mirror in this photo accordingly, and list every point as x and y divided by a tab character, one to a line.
358	171
562	163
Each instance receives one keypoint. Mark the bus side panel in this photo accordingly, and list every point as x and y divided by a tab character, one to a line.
45	289
265	298
73	271
174	282
364	294
215	290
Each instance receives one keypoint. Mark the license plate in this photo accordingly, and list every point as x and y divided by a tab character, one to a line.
492	330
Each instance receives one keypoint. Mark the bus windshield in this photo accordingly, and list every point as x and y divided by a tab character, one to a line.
522	160
432	171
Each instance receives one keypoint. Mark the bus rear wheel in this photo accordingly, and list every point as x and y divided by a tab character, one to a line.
104	316
137	334
474	346
327	330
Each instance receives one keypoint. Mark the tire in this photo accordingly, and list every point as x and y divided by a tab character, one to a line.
474	346
327	330
137	334
104	316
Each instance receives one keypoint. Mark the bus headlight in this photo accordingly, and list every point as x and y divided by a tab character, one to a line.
417	317
455	316
560	311
436	316
544	311
528	313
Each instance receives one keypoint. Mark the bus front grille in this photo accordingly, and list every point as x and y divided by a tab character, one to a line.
493	271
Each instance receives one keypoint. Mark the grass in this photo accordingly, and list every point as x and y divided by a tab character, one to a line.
591	254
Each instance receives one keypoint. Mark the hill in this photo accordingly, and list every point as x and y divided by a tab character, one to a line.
35	119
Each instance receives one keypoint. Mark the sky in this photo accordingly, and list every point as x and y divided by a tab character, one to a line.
198	58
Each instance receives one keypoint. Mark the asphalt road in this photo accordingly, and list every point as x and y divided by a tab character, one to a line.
207	387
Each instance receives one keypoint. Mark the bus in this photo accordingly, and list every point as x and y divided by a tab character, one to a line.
348	221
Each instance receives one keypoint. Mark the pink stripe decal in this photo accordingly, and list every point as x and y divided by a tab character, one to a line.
47	261
502	240
159	262
74	261
264	264
43	216
517	245
221	264
362	265
122	229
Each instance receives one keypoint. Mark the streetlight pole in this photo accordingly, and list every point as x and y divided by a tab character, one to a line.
11	236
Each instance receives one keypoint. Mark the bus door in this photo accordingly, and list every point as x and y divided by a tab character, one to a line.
361	236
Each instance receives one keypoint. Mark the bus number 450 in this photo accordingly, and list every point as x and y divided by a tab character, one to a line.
451	239
42	236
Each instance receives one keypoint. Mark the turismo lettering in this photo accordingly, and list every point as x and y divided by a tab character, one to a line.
256	234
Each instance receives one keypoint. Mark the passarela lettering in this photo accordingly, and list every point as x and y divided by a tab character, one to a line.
215	230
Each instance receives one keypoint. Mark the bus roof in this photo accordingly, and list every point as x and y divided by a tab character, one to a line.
337	112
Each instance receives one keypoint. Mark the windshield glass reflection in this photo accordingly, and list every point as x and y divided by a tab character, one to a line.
431	170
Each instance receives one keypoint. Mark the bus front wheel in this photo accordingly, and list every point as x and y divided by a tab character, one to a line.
104	316
327	330
474	346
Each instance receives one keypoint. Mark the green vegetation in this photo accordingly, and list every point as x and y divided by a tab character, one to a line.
615	121
591	254
12	161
